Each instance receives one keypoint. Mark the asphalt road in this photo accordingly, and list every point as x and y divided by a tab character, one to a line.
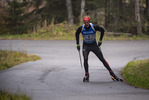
58	75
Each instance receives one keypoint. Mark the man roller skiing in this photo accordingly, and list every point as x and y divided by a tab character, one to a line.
88	31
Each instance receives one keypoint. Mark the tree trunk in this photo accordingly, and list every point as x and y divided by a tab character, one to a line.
121	9
147	8
137	17
82	10
0	6
69	9
107	13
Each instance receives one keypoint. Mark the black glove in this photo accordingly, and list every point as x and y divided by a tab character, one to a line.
99	43
78	47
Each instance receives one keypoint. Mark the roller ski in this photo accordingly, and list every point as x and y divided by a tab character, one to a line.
114	77
86	78
117	79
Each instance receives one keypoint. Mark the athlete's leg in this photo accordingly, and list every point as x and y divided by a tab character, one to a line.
98	53
85	55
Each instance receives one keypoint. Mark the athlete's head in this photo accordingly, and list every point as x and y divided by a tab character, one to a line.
86	21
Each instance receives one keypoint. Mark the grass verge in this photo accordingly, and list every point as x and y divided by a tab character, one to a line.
9	96
136	73
68	36
63	31
11	58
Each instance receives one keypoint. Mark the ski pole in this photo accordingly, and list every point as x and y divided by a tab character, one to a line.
80	59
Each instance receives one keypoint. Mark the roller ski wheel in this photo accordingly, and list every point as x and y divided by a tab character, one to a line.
114	77
117	79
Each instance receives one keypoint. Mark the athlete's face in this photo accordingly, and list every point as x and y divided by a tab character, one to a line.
86	24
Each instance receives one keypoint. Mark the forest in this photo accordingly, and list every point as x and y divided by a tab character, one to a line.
27	16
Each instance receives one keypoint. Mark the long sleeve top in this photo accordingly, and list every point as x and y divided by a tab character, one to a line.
96	27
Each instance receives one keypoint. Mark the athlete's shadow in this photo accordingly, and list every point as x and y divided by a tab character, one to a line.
99	82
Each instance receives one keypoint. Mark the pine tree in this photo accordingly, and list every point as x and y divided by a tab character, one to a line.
14	17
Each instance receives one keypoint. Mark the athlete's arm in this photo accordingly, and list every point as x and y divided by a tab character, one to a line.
77	34
98	28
